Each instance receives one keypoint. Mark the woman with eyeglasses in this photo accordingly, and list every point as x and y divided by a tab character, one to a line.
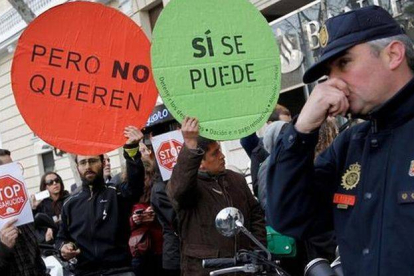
51	206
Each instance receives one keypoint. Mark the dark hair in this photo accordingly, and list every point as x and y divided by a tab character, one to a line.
42	186
4	152
327	133
279	110
56	206
204	143
101	156
149	179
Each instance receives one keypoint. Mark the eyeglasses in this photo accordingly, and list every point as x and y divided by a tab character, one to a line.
51	181
91	161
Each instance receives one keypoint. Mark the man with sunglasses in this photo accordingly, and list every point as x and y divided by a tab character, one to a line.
95	221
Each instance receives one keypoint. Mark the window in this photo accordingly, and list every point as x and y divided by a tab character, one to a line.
48	161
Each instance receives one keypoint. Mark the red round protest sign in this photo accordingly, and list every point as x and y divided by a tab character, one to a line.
12	197
168	152
81	73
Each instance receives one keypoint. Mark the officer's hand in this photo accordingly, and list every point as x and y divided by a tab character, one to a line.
68	251
133	134
190	130
327	99
9	233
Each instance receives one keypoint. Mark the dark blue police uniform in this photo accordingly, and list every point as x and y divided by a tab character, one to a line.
362	186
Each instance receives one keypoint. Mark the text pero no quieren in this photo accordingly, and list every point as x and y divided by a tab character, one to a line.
84	92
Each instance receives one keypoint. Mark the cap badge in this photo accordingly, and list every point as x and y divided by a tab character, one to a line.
323	36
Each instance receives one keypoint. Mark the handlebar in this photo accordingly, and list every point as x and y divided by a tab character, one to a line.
251	262
247	268
219	263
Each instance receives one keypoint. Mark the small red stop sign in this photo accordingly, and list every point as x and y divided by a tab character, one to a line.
12	196
167	153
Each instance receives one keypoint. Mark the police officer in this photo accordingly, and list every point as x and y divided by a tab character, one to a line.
363	185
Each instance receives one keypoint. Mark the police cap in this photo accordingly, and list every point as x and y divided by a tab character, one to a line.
347	30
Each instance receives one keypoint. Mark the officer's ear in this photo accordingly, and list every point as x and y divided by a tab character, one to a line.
395	54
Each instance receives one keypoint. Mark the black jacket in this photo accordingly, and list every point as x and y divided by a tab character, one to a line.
97	221
254	148
167	218
362	186
24	258
48	207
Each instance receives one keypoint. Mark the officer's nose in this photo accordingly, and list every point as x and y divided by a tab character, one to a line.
334	72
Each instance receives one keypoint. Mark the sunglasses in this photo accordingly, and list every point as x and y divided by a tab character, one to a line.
51	181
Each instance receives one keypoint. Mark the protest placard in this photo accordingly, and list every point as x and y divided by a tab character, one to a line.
14	200
218	61
167	146
81	73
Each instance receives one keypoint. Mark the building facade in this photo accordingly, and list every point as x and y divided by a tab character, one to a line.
295	23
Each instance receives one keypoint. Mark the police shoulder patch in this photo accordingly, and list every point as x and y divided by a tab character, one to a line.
351	177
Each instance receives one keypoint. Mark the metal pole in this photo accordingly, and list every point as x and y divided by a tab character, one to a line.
324	10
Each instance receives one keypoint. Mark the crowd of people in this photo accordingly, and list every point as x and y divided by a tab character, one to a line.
354	190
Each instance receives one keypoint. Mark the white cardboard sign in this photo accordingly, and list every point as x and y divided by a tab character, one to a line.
14	199
166	148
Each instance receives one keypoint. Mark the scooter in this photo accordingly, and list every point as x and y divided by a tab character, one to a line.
229	222
51	257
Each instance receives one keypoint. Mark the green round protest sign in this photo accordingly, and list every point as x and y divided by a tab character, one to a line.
216	60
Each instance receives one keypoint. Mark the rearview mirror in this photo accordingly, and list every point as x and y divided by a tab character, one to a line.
226	221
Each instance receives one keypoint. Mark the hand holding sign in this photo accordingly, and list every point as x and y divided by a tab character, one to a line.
190	130
133	134
9	233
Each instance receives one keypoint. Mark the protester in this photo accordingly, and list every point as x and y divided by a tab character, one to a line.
167	217
107	168
146	241
253	145
199	188
146	151
359	186
95	221
19	252
51	206
269	140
